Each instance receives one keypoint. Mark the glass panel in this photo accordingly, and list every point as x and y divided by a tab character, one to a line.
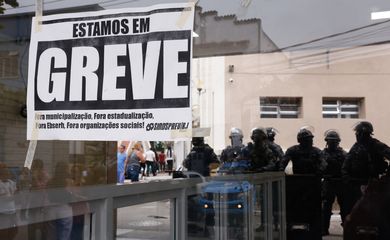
285	108
329	101
260	212
269	109
289	116
329	115
293	101
145	221
268	100
349	116
223	210
329	109
276	210
346	109
242	49
201	213
264	115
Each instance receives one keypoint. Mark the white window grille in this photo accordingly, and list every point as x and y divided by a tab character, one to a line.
341	108
279	107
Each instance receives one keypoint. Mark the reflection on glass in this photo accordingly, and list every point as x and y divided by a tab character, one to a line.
7	203
260	212
276	211
223	210
145	221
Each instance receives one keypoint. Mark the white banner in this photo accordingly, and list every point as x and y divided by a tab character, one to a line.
111	75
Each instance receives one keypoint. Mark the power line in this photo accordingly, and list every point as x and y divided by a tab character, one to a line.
332	35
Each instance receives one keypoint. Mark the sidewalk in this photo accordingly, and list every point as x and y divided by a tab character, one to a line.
158	177
336	231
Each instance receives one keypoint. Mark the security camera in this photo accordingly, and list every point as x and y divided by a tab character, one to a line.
231	80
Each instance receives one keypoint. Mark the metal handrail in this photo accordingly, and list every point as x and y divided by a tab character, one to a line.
102	200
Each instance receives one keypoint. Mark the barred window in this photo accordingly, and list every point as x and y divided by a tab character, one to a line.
9	64
341	108
280	107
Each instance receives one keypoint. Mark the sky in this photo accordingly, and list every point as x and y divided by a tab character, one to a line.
286	22
290	22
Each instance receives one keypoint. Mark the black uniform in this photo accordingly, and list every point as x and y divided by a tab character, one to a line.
305	160
332	186
364	161
303	189
278	154
199	159
230	153
261	157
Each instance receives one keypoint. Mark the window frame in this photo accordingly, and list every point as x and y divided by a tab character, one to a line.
340	104
278	103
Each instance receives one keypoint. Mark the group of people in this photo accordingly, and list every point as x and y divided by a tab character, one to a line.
48	212
145	163
344	175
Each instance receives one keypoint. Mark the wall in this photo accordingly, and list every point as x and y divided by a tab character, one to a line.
353	72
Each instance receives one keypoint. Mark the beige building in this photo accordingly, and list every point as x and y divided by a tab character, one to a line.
324	89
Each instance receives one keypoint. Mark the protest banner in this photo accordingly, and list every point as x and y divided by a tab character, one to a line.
111	74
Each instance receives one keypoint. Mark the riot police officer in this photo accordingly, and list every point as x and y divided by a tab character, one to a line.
258	152
231	152
200	157
275	148
364	161
303	188
306	158
199	160
332	185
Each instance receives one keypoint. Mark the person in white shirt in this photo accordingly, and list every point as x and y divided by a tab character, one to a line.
150	158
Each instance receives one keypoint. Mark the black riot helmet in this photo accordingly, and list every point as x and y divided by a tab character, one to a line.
258	134
364	127
236	137
332	135
304	134
198	141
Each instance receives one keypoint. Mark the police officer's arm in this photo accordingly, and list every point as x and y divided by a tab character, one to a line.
279	157
214	158
280	152
383	149
271	162
322	164
214	162
223	156
346	168
285	160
